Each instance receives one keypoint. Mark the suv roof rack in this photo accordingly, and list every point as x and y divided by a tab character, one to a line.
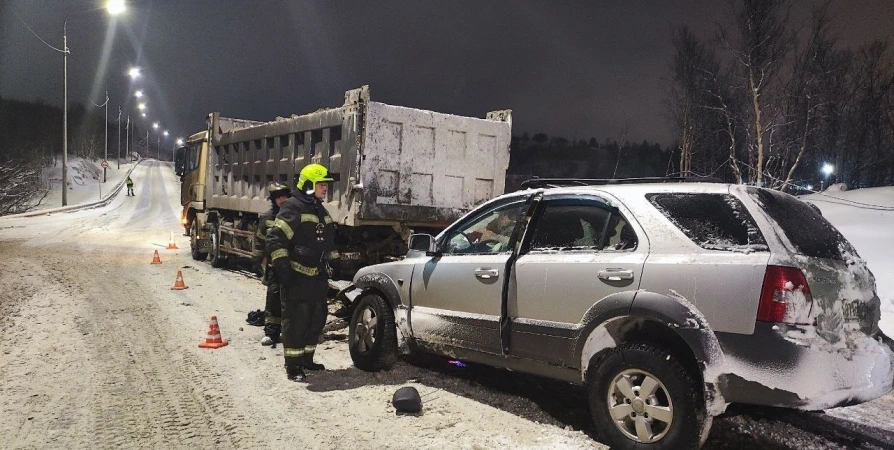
536	182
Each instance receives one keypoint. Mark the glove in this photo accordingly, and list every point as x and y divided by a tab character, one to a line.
283	269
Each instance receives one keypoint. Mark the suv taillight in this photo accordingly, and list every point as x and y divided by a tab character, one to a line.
781	284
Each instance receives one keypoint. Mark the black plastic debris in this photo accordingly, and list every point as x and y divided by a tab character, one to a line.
255	318
407	400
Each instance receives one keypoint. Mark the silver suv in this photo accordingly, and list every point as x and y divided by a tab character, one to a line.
669	301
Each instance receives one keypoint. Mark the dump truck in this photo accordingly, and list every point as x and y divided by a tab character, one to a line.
396	170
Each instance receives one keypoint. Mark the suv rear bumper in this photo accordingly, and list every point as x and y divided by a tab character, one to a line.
774	367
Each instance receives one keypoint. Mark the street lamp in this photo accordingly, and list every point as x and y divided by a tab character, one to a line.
179	142
141	106
155	125
133	73
143	114
165	133
113	7
138	94
827	170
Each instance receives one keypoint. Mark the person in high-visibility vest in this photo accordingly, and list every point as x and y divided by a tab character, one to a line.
278	194
129	184
300	245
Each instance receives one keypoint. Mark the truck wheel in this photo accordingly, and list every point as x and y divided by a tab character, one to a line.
194	242
372	336
642	396
217	259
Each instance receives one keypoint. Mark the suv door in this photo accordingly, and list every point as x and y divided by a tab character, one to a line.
456	297
580	251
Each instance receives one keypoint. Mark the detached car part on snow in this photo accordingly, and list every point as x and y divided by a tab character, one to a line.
669	301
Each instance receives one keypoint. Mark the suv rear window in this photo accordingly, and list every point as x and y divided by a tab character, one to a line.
810	233
713	221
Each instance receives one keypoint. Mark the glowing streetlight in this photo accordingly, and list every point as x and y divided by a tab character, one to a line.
155	125
138	94
115	7
133	73
142	107
828	169
179	141
165	133
144	114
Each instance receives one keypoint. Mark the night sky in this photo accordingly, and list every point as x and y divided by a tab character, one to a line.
572	69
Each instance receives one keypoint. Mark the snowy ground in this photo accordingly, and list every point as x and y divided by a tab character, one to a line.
98	352
866	218
85	186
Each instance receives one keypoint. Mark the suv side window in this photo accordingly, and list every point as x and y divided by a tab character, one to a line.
582	225
487	233
712	221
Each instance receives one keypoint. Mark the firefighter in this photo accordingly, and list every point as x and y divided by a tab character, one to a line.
129	184
278	193
300	244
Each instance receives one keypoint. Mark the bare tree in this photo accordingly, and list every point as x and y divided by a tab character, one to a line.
759	45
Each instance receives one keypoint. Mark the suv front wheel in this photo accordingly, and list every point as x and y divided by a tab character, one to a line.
642	396
372	336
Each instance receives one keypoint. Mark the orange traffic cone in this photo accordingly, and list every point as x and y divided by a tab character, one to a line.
213	340
171	244
156	259
179	285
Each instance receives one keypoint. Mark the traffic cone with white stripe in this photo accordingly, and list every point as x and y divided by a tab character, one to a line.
179	285
155	258
171	244
213	340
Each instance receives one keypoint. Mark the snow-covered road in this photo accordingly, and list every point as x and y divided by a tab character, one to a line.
99	352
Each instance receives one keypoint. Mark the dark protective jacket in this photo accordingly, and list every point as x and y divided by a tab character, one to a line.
301	240
265	222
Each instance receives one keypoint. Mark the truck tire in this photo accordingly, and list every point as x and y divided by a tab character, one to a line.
670	415
194	242
372	336
217	259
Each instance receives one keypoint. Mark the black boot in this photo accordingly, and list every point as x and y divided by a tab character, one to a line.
309	363
296	374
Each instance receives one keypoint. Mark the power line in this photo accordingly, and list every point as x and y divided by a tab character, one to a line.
9	2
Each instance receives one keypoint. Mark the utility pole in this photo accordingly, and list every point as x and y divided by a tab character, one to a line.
105	125
65	112
126	139
119	137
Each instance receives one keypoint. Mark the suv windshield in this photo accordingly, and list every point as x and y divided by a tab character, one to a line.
810	233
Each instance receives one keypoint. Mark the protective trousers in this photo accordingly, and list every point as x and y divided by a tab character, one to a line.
304	313
273	311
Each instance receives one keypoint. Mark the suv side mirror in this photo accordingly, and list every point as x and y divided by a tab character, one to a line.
423	243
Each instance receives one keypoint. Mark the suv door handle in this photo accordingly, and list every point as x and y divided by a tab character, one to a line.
615	274
486	273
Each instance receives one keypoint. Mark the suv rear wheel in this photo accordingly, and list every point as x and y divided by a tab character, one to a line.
642	396
372	336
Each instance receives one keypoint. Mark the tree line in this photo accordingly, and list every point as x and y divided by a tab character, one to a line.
766	103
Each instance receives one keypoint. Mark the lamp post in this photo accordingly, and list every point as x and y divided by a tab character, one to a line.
106	126
114	7
119	137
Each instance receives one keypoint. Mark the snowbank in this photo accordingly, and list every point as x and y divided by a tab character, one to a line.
84	183
866	218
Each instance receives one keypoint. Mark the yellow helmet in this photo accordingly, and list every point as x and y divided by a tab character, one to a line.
314	173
